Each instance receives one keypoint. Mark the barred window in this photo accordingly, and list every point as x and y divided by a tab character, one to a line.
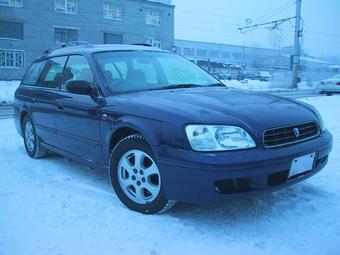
64	35
11	58
153	42
11	3
66	6
153	17
113	12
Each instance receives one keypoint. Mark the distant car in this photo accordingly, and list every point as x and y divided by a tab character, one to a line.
330	86
249	75
264	76
164	129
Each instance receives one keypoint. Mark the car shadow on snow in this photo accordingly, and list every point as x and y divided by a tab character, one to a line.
65	170
268	206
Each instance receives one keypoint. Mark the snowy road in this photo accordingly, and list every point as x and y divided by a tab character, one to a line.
54	206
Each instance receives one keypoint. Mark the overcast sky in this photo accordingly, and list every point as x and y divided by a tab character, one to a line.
218	20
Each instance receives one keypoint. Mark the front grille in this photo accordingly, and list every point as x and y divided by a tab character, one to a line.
290	134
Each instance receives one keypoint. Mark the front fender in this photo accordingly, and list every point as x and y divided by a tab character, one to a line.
152	130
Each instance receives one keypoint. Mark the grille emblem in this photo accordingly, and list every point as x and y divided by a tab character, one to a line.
296	132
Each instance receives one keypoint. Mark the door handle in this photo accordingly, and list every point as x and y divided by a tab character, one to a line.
60	106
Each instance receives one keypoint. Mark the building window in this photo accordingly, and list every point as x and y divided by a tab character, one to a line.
237	55
11	3
113	12
66	6
64	35
153	17
110	38
225	54
153	42
11	58
201	53
190	52
214	54
11	30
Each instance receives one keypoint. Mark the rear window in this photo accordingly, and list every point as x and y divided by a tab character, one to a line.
32	75
52	74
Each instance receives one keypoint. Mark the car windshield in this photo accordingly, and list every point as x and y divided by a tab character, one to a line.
126	71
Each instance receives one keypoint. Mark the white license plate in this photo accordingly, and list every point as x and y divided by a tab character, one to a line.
302	164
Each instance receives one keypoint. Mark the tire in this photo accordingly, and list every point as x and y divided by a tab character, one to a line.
32	143
329	93
130	178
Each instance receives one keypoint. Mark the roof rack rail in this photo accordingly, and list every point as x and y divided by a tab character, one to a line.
142	44
64	45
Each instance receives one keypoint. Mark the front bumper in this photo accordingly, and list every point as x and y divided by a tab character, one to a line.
204	178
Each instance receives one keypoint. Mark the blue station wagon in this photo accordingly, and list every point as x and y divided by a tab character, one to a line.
163	128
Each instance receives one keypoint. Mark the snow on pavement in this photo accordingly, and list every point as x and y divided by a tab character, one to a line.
55	206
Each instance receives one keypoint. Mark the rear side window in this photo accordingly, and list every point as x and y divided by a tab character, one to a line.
53	72
77	68
32	75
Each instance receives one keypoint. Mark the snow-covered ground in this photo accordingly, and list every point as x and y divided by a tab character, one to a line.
7	89
55	206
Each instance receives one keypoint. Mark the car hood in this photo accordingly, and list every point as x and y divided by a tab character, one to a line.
251	110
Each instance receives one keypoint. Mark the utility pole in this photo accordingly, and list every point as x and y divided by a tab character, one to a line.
297	46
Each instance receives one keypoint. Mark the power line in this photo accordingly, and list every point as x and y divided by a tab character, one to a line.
211	14
275	24
190	20
298	35
276	10
276	13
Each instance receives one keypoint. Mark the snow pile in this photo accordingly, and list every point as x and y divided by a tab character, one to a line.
269	86
7	89
55	206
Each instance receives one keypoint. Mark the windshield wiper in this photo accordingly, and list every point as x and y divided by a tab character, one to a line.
189	85
181	86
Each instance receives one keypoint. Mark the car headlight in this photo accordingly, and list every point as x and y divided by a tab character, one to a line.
218	138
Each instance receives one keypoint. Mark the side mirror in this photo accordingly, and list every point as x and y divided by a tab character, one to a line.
81	87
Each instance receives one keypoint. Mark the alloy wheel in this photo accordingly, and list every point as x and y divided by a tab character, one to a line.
29	136
139	177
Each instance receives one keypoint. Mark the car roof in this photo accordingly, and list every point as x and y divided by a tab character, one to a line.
65	49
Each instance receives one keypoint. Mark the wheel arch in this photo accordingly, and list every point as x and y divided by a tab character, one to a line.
126	128
23	112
